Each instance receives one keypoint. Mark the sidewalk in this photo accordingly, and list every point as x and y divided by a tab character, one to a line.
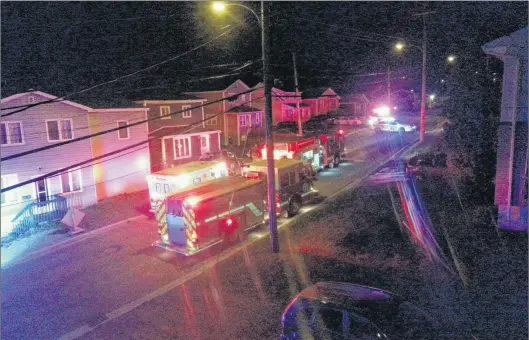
106	212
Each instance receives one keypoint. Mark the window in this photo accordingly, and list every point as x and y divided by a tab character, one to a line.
123	133
204	144
231	97
60	129
212	120
159	188
182	148
244	121
11	133
12	195
166	189
243	97
258	119
31	99
187	111
71	181
165	111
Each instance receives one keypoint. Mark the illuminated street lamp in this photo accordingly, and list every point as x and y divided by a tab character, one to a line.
220	7
399	46
451	59
432	97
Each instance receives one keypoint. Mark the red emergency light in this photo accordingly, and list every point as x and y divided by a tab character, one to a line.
229	222
340	132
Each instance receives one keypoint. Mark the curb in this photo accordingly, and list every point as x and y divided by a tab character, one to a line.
66	243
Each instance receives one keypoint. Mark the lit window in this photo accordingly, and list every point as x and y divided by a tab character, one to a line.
187	111
182	148
60	129
71	181
11	133
12	195
123	133
243	120
165	111
258	119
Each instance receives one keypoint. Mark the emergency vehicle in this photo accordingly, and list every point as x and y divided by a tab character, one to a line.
320	150
170	180
221	210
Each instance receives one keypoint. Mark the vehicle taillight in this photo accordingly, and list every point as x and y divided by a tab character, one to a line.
229	224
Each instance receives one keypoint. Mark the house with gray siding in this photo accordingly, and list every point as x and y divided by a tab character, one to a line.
59	121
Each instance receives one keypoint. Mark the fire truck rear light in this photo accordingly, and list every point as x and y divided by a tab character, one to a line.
340	132
192	201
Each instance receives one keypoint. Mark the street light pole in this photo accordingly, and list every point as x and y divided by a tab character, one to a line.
272	219
423	82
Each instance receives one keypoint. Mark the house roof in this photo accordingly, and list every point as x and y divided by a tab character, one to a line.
300	105
316	92
355	98
179	96
45	95
515	44
243	108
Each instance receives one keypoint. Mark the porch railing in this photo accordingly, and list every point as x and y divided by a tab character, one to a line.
35	213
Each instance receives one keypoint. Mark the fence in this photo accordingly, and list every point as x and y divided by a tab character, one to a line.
36	213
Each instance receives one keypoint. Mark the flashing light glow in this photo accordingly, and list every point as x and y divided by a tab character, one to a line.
219	6
192	201
382	111
290	154
229	221
372	120
142	163
340	132
183	180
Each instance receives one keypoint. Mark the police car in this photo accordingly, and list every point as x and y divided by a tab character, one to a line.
393	125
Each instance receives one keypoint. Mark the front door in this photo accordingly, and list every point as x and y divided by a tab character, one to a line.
42	190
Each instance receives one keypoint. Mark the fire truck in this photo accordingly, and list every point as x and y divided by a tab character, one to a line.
320	150
221	210
167	181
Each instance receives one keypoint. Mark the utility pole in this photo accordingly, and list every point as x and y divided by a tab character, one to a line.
389	88
272	218
300	128
423	82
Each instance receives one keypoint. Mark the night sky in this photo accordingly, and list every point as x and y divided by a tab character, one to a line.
62	47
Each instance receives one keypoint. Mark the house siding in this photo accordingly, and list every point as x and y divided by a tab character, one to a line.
123	174
37	164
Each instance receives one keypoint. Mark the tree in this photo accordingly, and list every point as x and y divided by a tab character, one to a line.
474	111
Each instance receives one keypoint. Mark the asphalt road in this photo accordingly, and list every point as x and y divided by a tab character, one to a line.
117	286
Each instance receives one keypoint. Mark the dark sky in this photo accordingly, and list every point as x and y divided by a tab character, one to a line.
61	47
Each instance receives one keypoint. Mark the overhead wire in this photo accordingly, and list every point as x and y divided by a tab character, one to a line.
77	165
25	107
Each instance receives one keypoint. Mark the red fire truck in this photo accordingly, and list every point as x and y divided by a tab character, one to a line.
321	150
198	217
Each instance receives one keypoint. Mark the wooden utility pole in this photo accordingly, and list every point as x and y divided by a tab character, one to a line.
423	82
389	88
300	128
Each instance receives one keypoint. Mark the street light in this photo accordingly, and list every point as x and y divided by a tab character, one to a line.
220	7
399	47
451	58
432	97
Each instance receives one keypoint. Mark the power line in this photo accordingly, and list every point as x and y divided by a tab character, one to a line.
58	172
25	107
20	154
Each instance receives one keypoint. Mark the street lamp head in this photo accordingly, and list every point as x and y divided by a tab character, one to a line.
451	58
219	6
399	46
432	97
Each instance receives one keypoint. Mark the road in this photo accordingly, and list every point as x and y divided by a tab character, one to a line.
117	286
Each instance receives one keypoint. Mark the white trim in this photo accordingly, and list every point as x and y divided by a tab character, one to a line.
218	135
191	134
187	112
118	110
188	138
165	127
203	117
258	121
175	101
127	129
163	114
59	128
46	95
7	122
239	81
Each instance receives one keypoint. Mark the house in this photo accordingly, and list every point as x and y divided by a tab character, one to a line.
60	121
321	100
511	171
243	125
183	137
240	110
356	104
284	105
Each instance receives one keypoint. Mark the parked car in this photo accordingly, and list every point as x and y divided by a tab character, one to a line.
393	126
333	310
